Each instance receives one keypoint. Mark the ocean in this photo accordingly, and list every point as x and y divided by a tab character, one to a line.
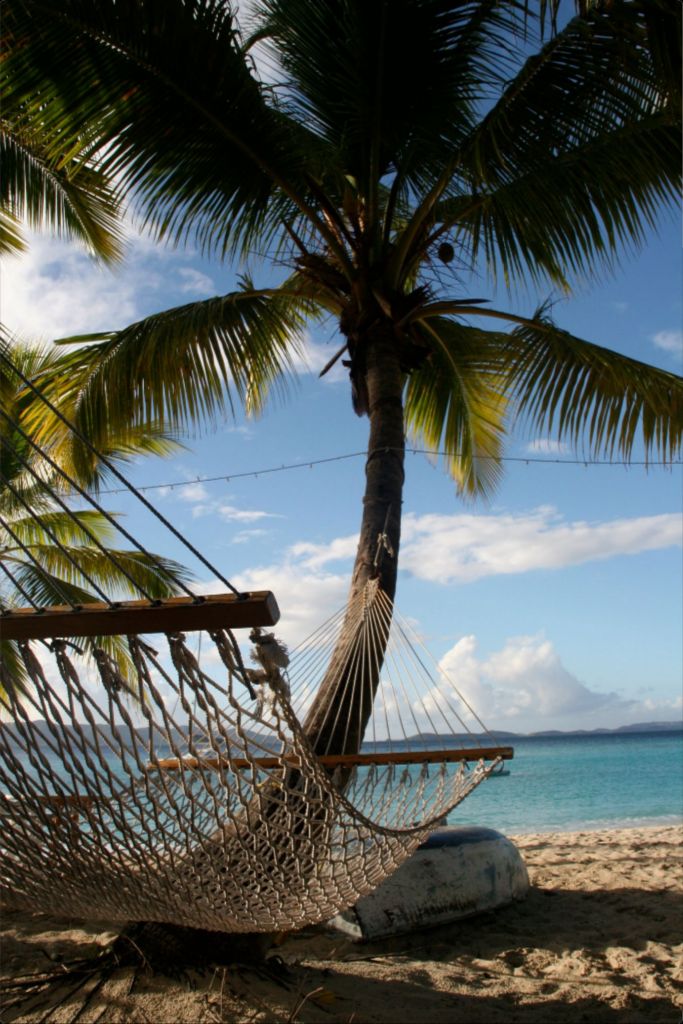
558	783
568	783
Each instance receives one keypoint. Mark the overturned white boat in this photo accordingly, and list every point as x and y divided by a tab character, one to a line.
458	872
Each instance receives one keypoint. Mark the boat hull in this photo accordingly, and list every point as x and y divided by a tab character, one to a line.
458	872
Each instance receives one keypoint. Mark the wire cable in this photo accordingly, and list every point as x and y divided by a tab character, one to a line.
310	463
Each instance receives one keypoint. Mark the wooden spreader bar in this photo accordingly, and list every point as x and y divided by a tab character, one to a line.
175	614
342	760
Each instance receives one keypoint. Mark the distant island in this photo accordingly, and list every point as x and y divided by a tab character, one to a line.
638	727
501	734
429	739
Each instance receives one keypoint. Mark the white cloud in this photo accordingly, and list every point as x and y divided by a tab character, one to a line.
196	283
56	289
669	341
193	492
525	686
315	556
239	515
531	669
466	548
314	356
675	704
220	508
546	446
306	599
246	432
460	667
247	536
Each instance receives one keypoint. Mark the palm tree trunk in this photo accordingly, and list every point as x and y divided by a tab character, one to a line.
341	709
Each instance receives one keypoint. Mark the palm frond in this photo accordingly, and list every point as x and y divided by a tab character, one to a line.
13	675
167	101
78	526
186	363
89	466
12	242
455	402
39	451
20	356
44	584
67	196
53	553
590	122
573	210
67	574
586	394
660	19
23	492
388	85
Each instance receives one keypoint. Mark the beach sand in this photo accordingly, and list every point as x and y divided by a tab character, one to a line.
599	938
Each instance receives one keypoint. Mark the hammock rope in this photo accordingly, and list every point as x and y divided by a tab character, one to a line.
172	793
247	829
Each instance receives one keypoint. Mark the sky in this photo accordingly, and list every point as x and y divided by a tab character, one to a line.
555	605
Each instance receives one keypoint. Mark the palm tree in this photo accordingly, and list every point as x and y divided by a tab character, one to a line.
386	153
50	551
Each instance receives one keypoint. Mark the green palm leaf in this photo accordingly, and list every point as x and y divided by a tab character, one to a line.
190	362
78	457
581	392
71	571
176	114
13	674
569	212
44	440
577	155
65	195
455	402
387	85
78	526
11	238
51	552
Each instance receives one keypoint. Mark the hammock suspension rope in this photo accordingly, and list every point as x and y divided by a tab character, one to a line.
163	792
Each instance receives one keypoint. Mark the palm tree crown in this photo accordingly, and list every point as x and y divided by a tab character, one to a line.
381	151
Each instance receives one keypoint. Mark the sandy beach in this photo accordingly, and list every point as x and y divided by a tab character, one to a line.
598	939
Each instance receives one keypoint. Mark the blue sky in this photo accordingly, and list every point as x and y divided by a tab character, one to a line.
556	605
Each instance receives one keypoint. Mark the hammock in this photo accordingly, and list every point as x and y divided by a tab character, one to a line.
180	796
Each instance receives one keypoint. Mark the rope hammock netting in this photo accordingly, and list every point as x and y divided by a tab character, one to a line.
165	793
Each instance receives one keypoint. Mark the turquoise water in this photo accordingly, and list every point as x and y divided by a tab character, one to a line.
557	783
582	782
